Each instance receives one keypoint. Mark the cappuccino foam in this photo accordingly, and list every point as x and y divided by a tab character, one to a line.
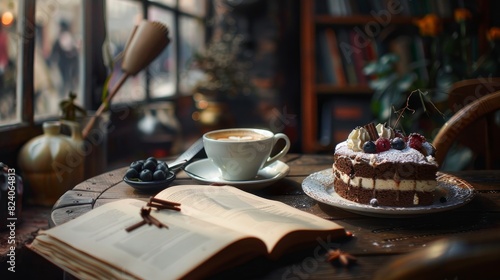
237	136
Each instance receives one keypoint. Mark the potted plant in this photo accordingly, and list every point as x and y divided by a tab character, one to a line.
414	102
220	75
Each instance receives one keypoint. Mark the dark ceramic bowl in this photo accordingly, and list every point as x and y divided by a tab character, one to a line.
151	186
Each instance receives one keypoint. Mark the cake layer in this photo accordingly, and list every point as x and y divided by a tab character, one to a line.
396	198
393	164
386	184
387	172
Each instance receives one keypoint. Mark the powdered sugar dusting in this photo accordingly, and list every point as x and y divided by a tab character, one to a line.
401	156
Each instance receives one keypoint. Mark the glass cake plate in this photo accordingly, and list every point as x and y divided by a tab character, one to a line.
451	193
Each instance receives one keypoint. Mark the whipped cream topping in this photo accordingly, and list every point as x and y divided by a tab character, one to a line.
384	131
360	135
357	138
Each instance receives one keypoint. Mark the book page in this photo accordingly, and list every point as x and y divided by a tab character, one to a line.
147	252
238	210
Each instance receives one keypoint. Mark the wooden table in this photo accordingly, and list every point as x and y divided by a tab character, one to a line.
376	242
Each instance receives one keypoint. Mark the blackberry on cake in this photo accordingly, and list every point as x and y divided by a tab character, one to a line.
378	164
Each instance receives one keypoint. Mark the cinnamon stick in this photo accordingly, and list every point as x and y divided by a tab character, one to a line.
163	202
161	206
135	226
155	222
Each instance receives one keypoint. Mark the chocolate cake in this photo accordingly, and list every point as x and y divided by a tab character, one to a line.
379	166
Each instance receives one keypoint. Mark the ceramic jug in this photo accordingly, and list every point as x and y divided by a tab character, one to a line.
52	163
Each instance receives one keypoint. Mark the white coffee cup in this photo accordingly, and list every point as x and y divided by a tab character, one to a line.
239	153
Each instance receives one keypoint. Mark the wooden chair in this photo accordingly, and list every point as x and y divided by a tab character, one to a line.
473	123
473	256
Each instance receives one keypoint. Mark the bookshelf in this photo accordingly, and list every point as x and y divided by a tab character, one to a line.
326	24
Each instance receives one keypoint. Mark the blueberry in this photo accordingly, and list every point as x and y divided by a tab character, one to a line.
374	202
159	175
369	147
150	165
398	143
153	159
146	175
137	165
132	173
429	149
162	166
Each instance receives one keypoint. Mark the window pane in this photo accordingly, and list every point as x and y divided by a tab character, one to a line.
192	40
170	3
8	62
122	17
196	7
163	69
57	54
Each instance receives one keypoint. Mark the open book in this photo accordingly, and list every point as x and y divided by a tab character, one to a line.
217	228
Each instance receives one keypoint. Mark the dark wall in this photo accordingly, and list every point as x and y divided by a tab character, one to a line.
271	29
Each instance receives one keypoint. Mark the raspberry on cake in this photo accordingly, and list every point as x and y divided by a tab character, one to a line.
378	165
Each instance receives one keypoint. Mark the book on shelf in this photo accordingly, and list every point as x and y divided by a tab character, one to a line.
339	115
358	59
441	8
339	7
324	60
331	69
346	56
335	57
355	56
217	227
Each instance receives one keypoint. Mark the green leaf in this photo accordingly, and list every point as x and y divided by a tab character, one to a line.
457	158
371	68
379	84
385	108
444	82
389	59
375	107
384	82
383	66
386	69
406	81
104	93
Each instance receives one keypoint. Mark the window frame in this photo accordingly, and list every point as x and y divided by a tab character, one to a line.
93	71
18	133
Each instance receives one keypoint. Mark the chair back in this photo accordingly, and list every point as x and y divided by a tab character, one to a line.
472	124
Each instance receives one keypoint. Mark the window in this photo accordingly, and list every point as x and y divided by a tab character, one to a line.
162	79
191	42
9	100
121	17
45	54
162	71
57	55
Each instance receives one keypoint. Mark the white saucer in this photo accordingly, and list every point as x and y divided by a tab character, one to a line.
205	171
454	191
